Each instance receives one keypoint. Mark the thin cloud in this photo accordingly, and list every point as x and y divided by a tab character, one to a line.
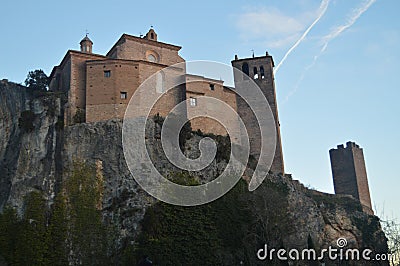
356	14
270	25
322	9
271	21
283	41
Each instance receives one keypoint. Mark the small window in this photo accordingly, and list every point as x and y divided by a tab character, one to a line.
152	36
262	72
255	73
193	101
245	70
107	73
212	87
124	95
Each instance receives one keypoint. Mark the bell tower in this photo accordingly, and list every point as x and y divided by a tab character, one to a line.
151	35
260	70
86	45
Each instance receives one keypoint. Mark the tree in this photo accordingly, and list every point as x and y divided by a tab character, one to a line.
9	227
391	227
37	80
32	247
70	232
58	231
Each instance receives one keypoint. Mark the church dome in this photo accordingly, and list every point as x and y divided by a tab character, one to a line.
86	45
86	39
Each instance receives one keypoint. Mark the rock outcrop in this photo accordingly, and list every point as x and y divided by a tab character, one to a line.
37	151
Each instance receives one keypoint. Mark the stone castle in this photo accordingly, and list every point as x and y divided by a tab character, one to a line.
99	87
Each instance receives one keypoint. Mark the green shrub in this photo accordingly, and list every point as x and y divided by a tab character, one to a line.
201	235
25	122
79	116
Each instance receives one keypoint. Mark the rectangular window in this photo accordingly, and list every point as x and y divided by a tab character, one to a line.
193	101
124	95
107	73
212	87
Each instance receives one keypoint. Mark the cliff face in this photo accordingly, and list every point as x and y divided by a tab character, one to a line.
27	143
36	153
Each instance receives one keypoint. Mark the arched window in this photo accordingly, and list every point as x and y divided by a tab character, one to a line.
262	74
255	73
152	36
245	69
152	56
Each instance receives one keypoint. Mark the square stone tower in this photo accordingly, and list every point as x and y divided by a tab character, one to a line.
349	173
260	70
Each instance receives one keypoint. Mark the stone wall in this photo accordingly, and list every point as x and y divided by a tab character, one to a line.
349	173
267	85
362	179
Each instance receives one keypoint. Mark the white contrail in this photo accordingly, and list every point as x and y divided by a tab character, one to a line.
323	7
350	21
332	35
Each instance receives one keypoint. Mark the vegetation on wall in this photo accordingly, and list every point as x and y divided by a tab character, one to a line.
332	201
201	235
70	231
184	134
79	116
25	121
227	231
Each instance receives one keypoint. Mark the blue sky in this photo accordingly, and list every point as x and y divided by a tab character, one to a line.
347	91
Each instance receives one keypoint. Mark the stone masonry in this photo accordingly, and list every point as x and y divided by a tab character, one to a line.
99	88
349	173
260	70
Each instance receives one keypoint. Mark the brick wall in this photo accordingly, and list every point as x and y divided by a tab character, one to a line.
197	86
110	85
134	48
123	76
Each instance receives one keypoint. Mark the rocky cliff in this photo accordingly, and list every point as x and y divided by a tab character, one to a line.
37	151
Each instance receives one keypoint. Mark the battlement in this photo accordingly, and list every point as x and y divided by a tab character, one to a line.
349	145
